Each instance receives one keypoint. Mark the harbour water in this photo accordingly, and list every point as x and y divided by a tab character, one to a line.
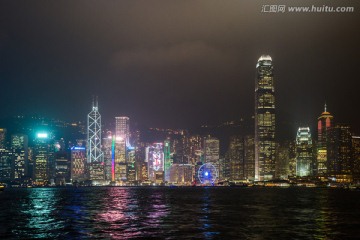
179	213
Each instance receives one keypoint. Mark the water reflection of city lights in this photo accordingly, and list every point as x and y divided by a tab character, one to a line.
40	209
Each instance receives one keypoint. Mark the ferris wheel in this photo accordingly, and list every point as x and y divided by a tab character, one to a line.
207	173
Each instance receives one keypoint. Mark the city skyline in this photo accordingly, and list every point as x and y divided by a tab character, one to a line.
182	119
182	73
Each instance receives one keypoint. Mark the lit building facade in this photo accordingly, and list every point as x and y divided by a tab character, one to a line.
249	157
167	160
122	129
95	156
224	167
120	160
182	174
356	158
211	150
107	151
282	160
122	142
236	158
19	146
340	155
304	152
264	120
130	165
2	138
155	160
62	168
6	159
194	149
78	164
325	122
43	158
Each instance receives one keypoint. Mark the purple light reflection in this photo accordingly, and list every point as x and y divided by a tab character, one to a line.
119	214
126	213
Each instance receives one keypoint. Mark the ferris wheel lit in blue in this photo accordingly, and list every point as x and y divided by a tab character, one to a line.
207	174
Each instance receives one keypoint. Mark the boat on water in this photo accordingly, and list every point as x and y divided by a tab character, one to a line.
2	187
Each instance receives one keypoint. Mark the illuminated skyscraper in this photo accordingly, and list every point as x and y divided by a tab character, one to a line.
264	120
19	146
107	151
236	158
167	159
155	160
78	164
95	156
122	132
249	157
62	168
339	153
211	150
282	160
304	152
6	158
43	158
122	129
325	122
130	165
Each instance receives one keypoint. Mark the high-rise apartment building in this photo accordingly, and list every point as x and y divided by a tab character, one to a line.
264	120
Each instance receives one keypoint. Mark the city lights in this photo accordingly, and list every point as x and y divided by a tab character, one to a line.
42	135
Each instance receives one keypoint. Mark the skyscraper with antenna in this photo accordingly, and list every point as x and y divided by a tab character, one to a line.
95	157
264	120
325	123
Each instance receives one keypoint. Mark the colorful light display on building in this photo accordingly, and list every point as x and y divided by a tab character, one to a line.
155	157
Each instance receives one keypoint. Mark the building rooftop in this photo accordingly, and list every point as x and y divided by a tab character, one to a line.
265	58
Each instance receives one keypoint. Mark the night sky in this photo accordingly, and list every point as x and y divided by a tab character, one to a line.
177	63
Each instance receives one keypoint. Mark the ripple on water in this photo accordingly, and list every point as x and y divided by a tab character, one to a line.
182	213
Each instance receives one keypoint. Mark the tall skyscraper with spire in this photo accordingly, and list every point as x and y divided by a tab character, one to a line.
95	157
264	120
325	122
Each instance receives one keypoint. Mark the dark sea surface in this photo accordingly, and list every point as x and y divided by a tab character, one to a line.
179	213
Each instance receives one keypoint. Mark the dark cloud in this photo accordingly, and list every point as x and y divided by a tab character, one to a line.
187	53
176	63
